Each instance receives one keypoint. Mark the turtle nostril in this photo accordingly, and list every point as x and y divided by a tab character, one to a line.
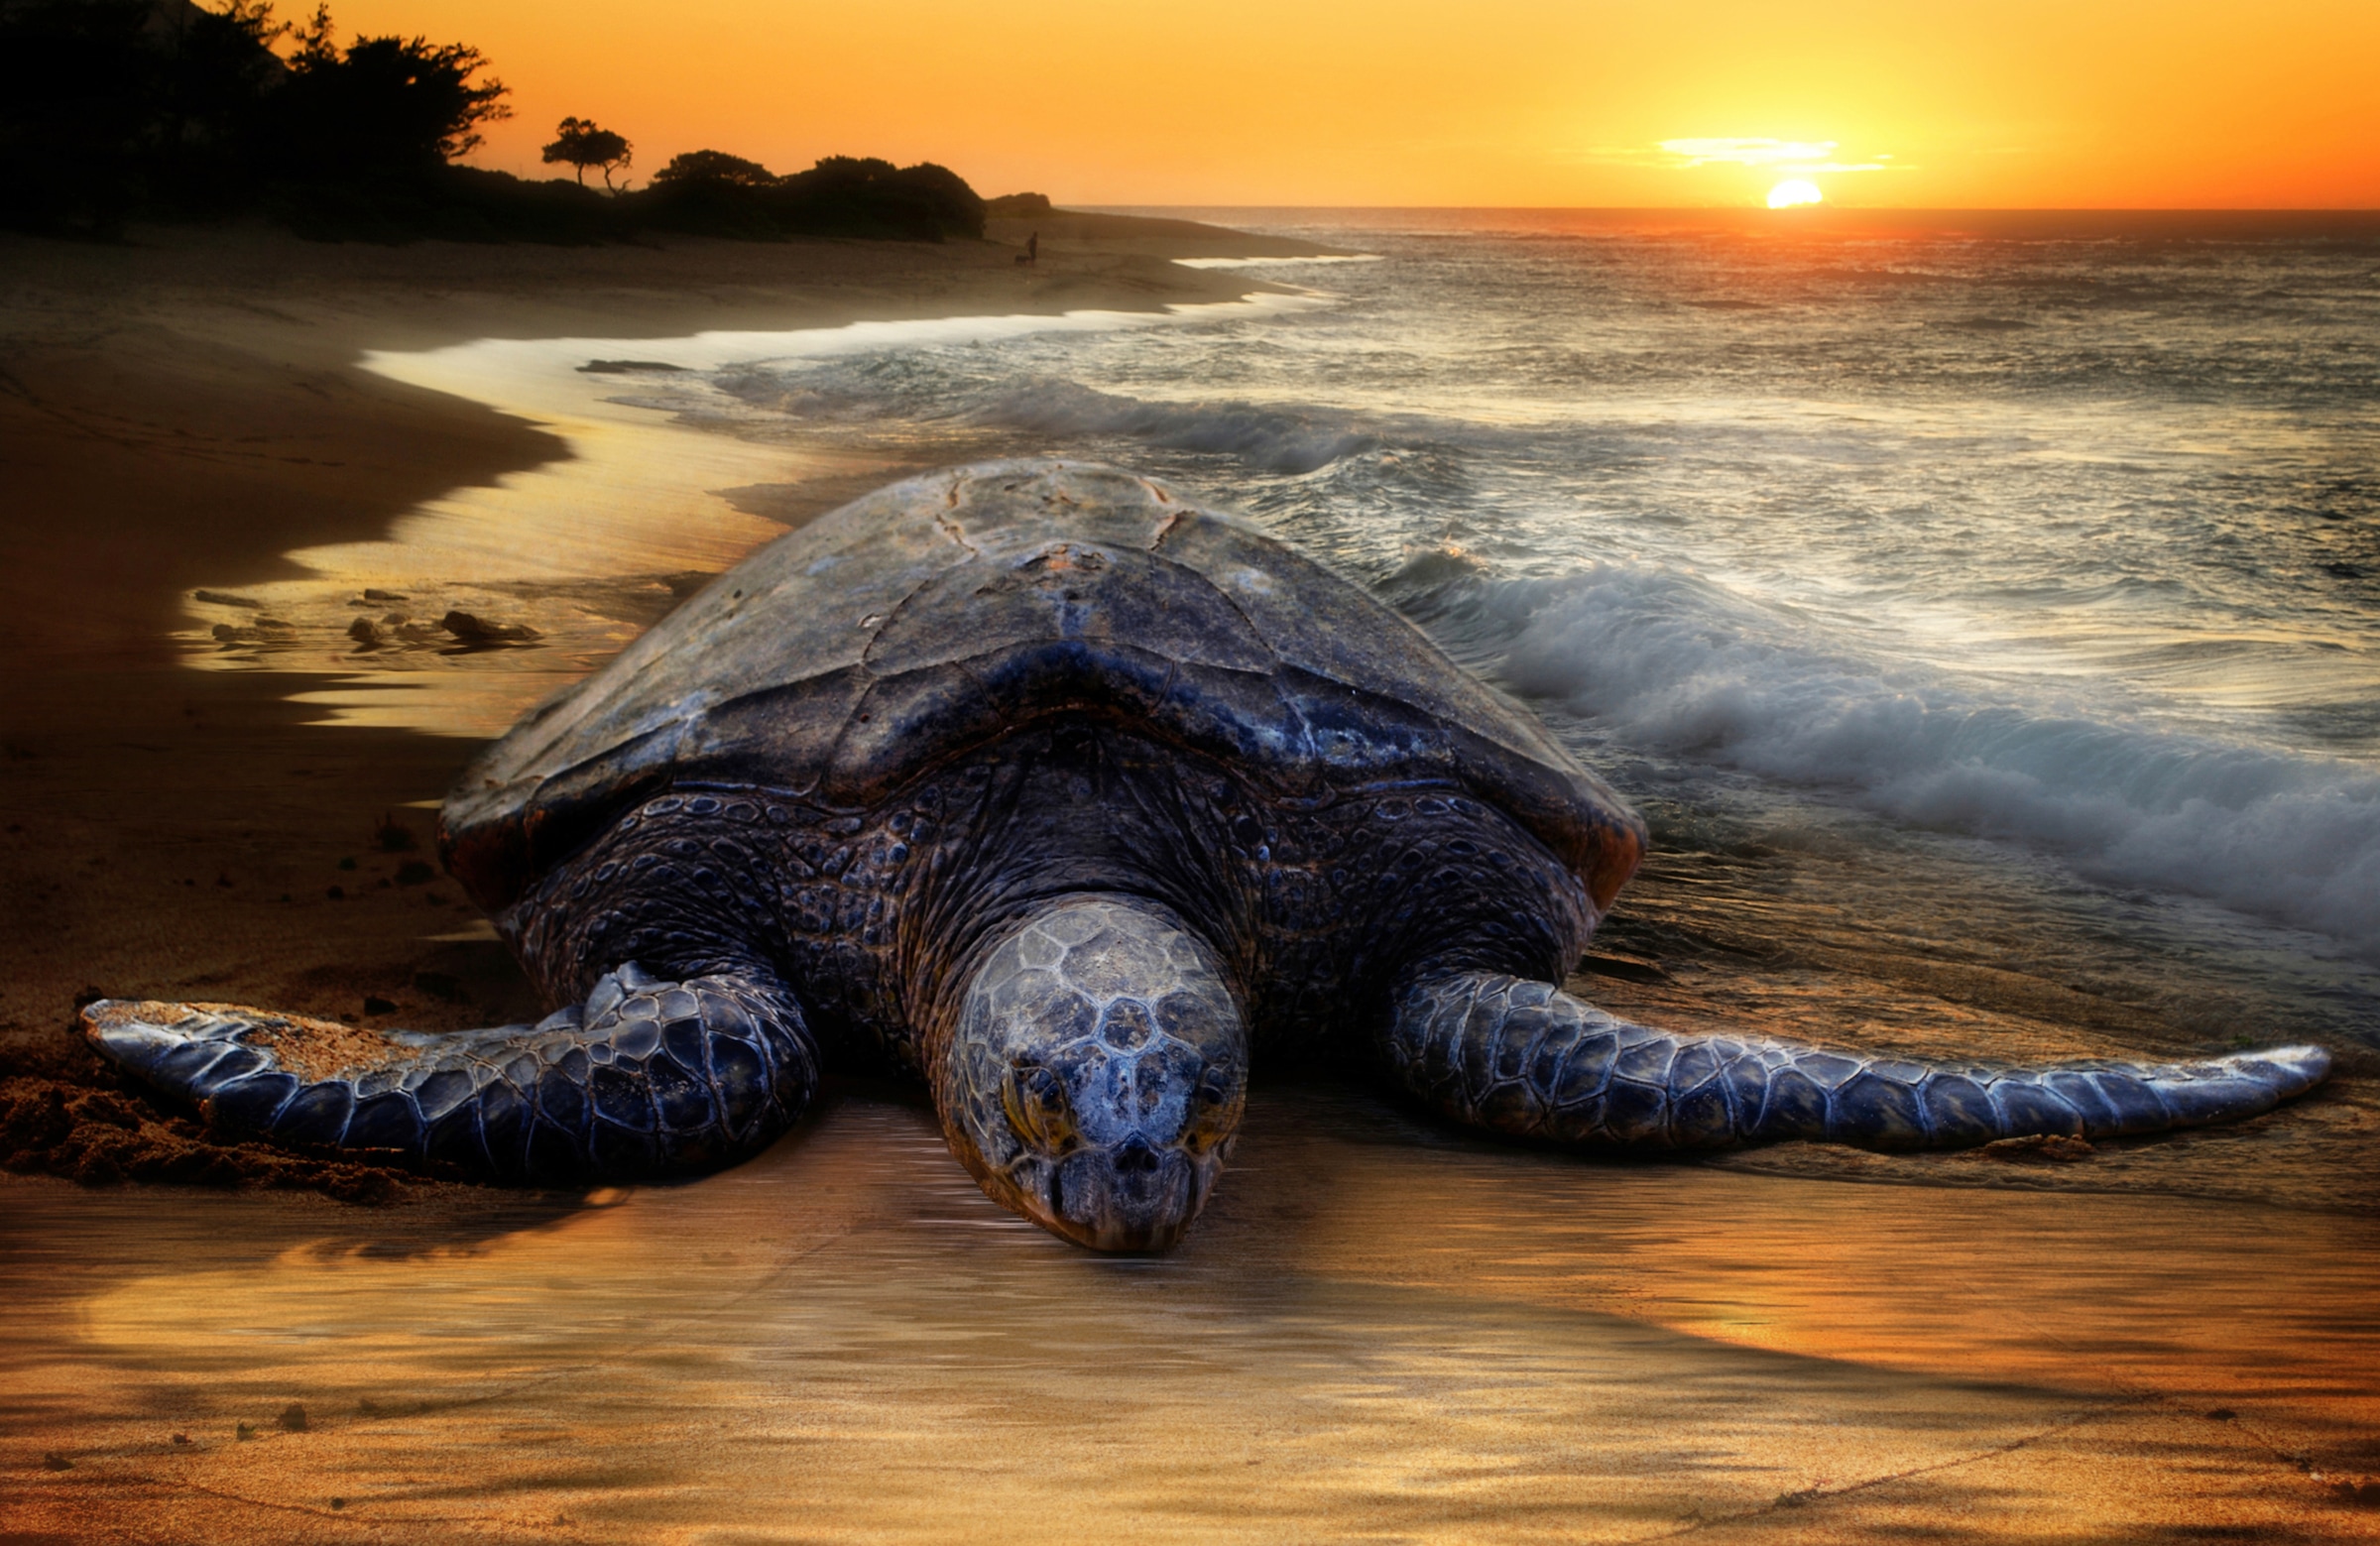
1136	1159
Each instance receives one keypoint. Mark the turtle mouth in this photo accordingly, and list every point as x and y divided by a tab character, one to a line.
1132	1197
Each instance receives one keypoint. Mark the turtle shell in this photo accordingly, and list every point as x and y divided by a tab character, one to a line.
911	626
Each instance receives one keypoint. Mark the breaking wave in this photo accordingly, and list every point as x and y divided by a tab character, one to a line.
1267	438
1273	439
1682	666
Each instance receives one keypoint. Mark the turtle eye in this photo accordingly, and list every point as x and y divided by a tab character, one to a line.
1215	1115
1035	1099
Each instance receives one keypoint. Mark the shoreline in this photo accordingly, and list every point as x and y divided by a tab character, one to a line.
588	550
184	411
177	345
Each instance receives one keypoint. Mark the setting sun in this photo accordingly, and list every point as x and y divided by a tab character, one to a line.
1792	192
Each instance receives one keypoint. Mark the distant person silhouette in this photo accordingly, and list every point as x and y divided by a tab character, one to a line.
1032	249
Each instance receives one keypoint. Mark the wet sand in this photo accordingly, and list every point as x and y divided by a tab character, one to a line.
1379	1331
1376	1332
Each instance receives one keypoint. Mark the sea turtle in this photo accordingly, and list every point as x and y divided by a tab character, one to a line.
1056	790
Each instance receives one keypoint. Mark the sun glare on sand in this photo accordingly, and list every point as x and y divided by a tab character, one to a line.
1792	192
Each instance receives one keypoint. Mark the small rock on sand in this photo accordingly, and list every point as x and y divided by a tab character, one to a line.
265	631
292	1418
474	629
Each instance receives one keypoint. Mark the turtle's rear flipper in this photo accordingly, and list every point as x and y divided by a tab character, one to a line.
1528	1059
648	1078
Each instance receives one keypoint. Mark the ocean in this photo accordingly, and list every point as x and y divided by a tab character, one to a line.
1997	595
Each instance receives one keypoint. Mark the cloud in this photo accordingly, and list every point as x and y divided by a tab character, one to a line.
1800	156
1774	154
1749	153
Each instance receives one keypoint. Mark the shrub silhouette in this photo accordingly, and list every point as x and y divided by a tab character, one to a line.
862	196
713	166
714	193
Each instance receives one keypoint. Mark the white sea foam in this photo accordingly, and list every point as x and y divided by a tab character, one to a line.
1277	263
1275	440
874	388
1675	663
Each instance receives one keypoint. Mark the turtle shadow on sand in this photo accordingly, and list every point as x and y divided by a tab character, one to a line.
1065	795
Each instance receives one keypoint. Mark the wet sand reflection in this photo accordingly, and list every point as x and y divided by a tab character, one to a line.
1378	1331
584	552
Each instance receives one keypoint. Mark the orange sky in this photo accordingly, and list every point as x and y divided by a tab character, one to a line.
2037	103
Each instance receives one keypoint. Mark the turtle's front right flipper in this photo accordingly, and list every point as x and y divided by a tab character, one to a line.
1527	1059
648	1078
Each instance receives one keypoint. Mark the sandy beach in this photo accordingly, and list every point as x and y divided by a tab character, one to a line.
1381	1330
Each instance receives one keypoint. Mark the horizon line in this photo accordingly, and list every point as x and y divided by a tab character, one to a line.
1799	212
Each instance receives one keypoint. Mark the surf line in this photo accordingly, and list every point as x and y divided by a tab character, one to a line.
639	500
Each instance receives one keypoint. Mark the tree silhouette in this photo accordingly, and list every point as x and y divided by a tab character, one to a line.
388	107
117	109
581	143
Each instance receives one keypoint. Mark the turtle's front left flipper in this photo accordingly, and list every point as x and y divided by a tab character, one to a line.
648	1078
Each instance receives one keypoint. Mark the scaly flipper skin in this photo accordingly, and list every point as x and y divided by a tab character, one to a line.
1527	1059
649	1078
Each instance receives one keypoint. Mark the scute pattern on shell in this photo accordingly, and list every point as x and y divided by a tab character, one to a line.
949	611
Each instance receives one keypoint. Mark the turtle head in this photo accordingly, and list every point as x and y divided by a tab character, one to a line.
1097	1072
